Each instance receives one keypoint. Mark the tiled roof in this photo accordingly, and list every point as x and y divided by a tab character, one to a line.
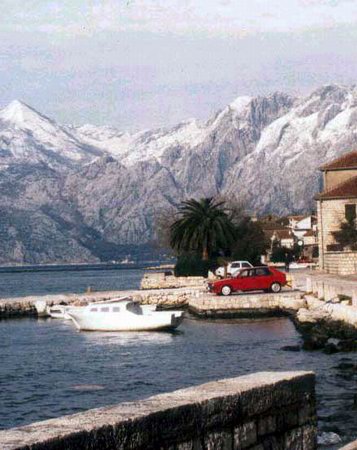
285	234
346	161
347	189
298	218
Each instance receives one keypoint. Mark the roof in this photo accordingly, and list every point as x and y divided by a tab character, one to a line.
347	189
285	234
298	217
279	233
346	161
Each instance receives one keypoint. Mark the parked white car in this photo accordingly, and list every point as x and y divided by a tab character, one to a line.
233	268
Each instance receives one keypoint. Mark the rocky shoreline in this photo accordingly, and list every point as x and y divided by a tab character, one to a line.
322	328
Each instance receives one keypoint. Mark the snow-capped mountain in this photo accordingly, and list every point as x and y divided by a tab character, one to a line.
28	136
78	193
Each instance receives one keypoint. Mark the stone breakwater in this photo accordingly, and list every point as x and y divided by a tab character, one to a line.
327	325
247	305
159	280
263	410
328	320
25	306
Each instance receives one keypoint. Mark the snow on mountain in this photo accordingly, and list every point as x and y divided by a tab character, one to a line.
283	166
98	187
131	148
27	135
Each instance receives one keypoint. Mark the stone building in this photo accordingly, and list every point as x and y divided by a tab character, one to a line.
335	204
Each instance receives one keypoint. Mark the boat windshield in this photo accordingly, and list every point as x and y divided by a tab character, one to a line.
134	308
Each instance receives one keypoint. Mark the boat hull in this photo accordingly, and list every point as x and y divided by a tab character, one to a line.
156	321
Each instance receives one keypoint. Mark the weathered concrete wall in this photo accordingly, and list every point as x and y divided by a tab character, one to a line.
246	305
161	281
258	411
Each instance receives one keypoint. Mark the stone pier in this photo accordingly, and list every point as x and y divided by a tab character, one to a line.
246	305
267	410
25	306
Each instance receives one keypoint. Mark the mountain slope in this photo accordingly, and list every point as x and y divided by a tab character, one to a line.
28	136
79	193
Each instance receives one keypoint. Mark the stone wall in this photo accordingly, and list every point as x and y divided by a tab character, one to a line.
246	305
335	177
267	410
340	263
25	306
158	280
331	213
329	288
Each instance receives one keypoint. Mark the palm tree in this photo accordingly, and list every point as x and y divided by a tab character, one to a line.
202	225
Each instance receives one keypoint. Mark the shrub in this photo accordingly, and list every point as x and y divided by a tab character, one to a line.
193	265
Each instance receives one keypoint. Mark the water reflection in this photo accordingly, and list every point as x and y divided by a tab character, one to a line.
129	339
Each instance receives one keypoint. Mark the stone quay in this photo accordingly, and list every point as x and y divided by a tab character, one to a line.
275	410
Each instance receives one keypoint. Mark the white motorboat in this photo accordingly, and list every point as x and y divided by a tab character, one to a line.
124	315
59	311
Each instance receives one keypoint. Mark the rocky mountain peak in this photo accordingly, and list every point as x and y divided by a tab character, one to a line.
21	115
73	183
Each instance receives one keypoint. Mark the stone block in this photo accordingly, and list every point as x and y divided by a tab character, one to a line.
217	415
245	435
293	440
190	445
219	440
306	414
266	425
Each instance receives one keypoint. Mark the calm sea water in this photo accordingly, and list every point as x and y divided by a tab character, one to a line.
60	280
48	369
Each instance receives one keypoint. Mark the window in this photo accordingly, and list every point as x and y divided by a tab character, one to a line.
116	309
350	212
251	273
245	265
94	309
235	265
106	309
244	273
263	271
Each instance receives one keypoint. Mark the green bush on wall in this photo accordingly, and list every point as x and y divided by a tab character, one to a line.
193	265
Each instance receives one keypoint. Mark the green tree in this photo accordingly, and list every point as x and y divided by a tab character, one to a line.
346	236
203	226
250	242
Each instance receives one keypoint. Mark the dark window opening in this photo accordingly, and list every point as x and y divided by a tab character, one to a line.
350	212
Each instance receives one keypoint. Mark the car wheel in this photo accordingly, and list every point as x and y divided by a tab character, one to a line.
275	287
226	290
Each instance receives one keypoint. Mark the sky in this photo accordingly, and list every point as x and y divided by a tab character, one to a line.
137	64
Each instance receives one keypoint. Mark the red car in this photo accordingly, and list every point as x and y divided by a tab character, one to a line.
266	279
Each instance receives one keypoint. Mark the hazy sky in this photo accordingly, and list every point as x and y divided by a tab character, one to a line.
142	63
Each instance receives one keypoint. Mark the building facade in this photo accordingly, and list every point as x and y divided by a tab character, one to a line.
335	205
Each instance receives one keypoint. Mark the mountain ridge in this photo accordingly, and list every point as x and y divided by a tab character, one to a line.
83	184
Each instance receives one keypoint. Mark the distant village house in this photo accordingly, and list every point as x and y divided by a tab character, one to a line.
335	205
